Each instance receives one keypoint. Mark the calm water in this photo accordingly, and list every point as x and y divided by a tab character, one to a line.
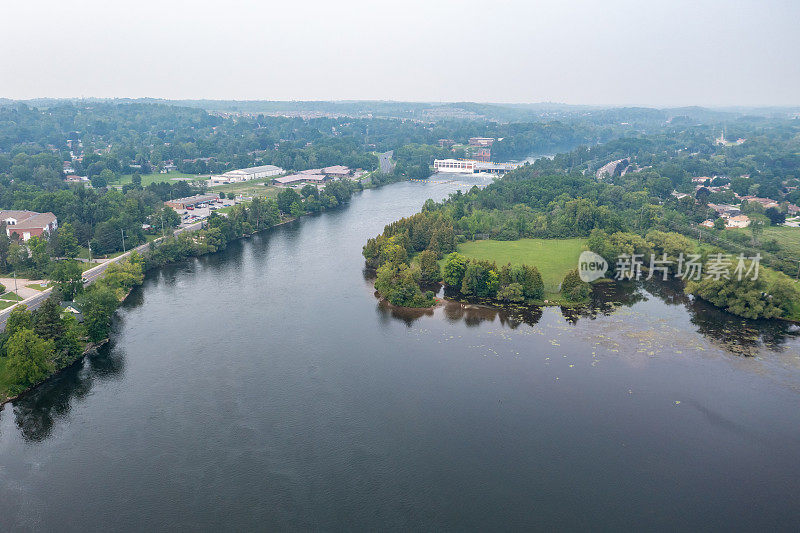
265	388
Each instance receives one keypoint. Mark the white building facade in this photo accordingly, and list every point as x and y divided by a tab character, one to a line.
454	166
246	174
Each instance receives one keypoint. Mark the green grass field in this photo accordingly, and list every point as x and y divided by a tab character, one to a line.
788	238
156	177
553	257
11	296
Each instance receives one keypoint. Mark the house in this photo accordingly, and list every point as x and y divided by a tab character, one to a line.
765	202
72	178
73	309
739	221
725	210
707	223
27	224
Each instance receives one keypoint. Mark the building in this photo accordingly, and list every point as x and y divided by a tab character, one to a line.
726	210
739	221
765	202
76	179
183	203
454	166
707	223
495	168
246	174
303	177
481	154
336	171
27	224
481	141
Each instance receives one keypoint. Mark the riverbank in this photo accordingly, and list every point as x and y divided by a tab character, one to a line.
249	353
207	237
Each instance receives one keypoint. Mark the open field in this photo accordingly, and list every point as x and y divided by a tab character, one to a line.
553	257
788	238
156	177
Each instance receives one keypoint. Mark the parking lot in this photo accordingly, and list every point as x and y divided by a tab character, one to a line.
202	211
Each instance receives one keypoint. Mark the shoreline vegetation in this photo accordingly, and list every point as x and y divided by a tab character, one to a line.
39	344
546	209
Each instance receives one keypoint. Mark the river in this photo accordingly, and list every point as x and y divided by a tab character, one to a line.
264	387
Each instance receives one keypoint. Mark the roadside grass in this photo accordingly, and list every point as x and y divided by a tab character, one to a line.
10	296
5	304
552	257
37	286
155	177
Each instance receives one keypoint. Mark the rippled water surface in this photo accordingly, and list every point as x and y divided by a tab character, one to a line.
265	387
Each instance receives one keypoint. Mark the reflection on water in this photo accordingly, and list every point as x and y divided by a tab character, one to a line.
263	388
734	334
36	412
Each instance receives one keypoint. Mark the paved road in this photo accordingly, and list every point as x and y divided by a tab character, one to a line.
91	275
386	164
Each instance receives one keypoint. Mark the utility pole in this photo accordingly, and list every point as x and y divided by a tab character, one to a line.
89	244
122	231
15	283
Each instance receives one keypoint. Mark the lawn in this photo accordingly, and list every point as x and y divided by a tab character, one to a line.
12	296
788	238
156	177
37	286
553	257
83	253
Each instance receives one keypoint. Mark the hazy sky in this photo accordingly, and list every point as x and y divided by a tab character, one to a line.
670	52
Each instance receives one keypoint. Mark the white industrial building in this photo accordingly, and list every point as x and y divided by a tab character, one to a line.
454	165
246	174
